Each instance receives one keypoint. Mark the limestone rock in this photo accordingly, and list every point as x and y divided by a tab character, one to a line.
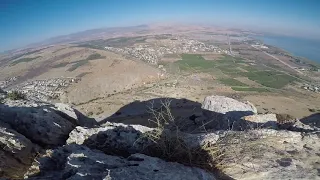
261	118
66	109
271	154
257	121
112	138
81	162
40	124
73	115
306	124
23	103
16	152
120	139
200	139
302	127
225	105
3	94
221	112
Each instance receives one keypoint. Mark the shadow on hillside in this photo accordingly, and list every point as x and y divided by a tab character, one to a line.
312	120
139	112
188	116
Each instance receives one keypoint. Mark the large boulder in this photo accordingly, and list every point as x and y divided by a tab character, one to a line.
40	123
16	152
221	112
224	105
79	162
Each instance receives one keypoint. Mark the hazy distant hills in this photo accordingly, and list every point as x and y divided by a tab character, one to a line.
91	34
111	32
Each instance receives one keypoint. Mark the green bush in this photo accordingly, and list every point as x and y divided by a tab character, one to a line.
16	95
78	64
95	56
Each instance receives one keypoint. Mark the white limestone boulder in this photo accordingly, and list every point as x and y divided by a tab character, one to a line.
221	112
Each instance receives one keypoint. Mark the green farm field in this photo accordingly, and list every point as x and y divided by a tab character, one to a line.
233	67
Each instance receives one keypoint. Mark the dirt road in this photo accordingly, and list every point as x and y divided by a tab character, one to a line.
279	60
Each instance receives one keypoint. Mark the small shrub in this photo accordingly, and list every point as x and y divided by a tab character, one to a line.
312	110
99	112
171	147
16	95
285	118
168	142
90	113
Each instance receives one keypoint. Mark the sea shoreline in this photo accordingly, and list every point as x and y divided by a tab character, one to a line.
291	45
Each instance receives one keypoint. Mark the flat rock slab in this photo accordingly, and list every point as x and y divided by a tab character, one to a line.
83	163
39	123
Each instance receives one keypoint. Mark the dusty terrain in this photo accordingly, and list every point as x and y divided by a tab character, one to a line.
147	64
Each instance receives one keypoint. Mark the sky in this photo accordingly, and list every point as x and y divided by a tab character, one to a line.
28	21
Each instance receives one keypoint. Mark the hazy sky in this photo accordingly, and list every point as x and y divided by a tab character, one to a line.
27	21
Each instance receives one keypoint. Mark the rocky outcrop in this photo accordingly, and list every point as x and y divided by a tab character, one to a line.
24	125
113	138
225	105
271	154
73	115
80	162
221	112
41	125
120	139
256	146
256	121
16	152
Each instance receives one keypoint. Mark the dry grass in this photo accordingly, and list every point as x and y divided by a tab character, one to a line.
285	118
167	142
238	145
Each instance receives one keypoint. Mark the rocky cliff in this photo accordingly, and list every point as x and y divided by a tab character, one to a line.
231	141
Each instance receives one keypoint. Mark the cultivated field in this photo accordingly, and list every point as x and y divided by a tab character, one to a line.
188	65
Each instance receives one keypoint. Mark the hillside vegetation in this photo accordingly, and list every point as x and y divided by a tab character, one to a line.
24	60
79	63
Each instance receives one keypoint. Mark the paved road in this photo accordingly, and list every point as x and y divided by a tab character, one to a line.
279	60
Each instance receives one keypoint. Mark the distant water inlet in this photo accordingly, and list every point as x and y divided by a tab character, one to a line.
307	48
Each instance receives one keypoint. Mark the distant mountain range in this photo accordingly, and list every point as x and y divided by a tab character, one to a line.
112	32
90	34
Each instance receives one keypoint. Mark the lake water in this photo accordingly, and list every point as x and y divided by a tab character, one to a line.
307	48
